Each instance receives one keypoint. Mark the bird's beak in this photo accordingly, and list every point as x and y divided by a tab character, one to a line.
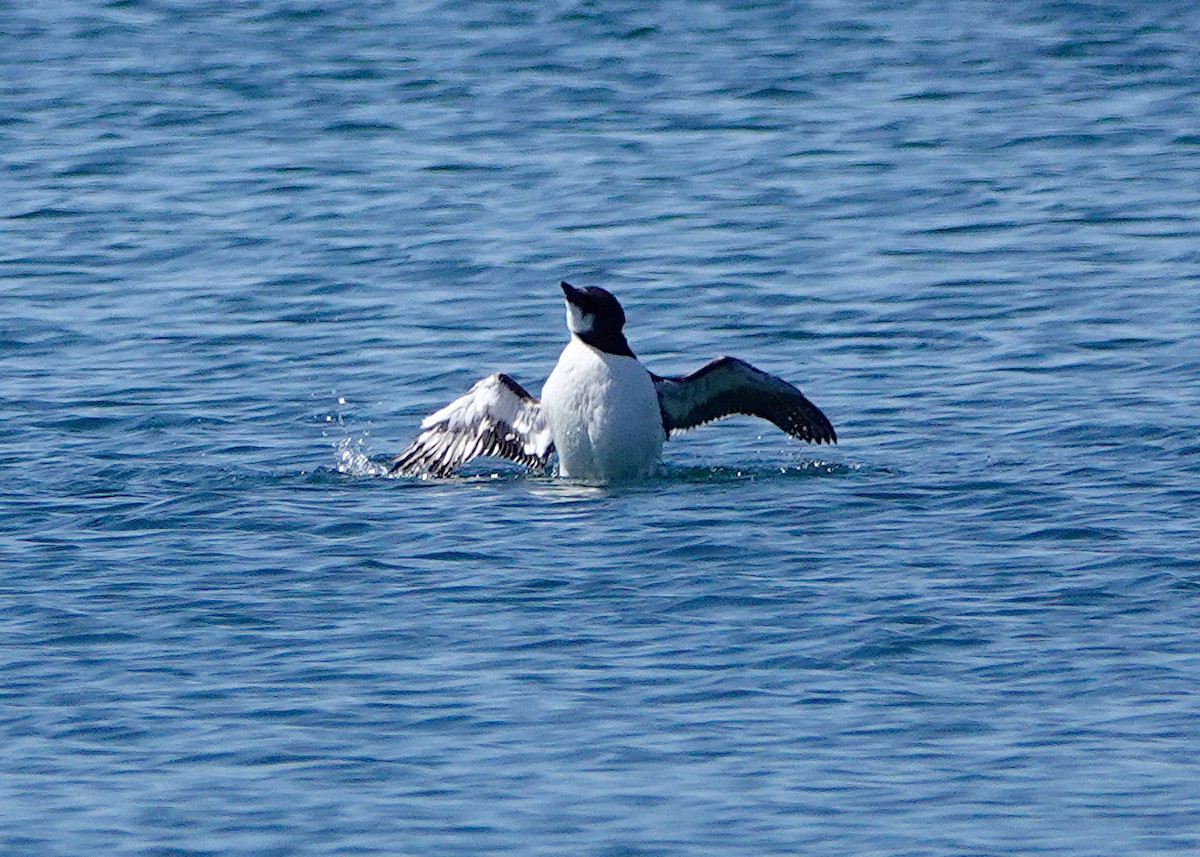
571	293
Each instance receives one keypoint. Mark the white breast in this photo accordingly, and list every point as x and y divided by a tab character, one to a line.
603	413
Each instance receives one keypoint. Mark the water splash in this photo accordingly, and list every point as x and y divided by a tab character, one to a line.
351	458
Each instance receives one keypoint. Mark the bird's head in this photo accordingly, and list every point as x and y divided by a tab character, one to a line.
593	312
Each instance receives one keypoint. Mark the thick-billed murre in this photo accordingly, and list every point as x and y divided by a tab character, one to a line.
601	412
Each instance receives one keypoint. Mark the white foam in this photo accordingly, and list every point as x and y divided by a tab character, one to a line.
351	458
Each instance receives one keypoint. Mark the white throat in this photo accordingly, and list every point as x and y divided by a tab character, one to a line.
578	321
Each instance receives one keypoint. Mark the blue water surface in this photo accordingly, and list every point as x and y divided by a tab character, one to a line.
245	247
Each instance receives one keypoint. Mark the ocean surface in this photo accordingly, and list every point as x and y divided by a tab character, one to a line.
245	247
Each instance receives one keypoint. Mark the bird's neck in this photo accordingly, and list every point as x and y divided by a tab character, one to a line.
610	342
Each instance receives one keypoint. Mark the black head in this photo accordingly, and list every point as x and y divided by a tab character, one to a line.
596	317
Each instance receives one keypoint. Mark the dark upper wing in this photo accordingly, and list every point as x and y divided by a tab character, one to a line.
731	386
496	417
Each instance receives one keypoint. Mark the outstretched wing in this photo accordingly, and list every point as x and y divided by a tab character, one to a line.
496	417
731	386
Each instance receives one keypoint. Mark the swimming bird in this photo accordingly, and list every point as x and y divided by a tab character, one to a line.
602	412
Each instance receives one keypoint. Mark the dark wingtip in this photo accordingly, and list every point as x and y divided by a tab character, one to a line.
827	433
815	427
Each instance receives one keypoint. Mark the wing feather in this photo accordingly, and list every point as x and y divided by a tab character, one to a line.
496	417
730	386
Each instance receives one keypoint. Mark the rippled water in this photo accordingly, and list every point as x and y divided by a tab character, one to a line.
245	247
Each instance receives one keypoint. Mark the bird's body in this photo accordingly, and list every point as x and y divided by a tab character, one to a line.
603	413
